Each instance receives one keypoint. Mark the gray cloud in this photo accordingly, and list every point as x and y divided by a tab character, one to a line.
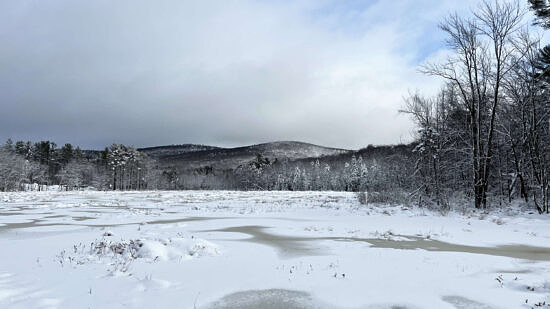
213	72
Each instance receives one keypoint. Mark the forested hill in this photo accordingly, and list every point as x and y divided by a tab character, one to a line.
268	166
159	152
194	156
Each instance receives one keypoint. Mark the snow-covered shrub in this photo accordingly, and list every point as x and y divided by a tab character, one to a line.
119	254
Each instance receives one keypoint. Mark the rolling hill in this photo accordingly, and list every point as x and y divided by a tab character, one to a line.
194	156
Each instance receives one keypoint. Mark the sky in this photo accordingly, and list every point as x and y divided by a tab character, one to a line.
225	73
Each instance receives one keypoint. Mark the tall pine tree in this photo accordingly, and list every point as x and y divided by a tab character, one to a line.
541	8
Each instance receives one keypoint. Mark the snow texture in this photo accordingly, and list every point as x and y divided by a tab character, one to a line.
223	249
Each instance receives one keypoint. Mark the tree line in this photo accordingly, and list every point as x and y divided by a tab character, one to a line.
27	165
486	134
386	179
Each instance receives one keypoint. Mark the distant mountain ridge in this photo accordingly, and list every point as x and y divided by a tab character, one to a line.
193	156
169	150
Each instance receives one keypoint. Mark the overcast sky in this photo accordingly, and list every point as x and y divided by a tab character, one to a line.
225	73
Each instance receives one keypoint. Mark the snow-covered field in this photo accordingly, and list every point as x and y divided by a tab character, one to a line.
219	249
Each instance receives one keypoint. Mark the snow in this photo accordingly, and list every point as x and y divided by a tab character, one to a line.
225	249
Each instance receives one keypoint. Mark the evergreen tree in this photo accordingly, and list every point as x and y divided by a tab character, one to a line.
20	148
542	65
66	153
541	8
9	144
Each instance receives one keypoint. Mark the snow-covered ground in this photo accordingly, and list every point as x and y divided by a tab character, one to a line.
220	249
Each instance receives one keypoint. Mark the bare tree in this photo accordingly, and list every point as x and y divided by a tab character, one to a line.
483	49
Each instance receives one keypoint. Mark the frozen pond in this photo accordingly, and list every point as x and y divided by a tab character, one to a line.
299	246
222	249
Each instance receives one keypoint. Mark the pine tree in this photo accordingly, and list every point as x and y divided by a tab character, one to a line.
297	179
9	144
66	153
543	65
20	148
541	9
